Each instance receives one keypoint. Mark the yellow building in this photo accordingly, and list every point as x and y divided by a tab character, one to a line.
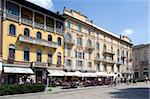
31	37
89	48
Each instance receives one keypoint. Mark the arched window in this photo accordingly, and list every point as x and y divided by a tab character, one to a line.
50	38
59	59
97	46
39	55
26	54
104	47
69	37
98	56
39	35
50	55
59	41
26	32
11	52
12	29
89	43
118	52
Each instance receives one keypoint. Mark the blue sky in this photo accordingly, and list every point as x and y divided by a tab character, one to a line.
128	17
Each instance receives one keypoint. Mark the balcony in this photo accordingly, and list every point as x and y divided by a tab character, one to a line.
89	48
69	42
108	61
36	41
26	21
39	64
50	29
60	31
12	16
119	62
68	67
98	59
39	25
144	62
107	51
123	56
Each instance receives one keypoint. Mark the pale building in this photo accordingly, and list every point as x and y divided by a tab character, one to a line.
89	48
141	61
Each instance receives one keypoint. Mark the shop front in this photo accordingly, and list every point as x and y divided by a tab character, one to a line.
17	74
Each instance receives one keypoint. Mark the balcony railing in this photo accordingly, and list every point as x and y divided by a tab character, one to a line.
50	29
59	31
26	21
108	61
107	51
68	67
98	59
119	62
39	25
87	47
36	41
69	42
12	16
39	64
144	62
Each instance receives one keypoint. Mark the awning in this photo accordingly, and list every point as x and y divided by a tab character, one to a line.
101	73
56	73
18	70
70	74
89	74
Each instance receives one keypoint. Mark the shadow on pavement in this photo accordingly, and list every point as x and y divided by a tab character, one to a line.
132	93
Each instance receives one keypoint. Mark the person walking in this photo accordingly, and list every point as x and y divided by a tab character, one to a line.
146	79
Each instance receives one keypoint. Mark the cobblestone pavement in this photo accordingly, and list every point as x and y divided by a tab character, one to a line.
122	91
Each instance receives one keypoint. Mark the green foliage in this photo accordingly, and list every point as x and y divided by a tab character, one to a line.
10	89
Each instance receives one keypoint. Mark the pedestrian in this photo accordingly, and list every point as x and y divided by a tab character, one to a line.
146	79
115	81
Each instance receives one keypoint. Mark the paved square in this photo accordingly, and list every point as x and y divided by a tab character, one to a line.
122	91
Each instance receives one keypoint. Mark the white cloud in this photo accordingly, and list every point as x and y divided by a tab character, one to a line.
128	32
47	4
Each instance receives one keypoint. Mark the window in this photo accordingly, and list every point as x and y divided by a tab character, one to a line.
12	8
79	28
136	74
90	54
50	55
39	35
98	56
59	41
11	52
79	41
69	37
79	64
98	67
112	68
104	47
59	58
59	25
89	31
69	24
12	29
26	32
118	52
50	38
97	46
69	52
89	43
69	62
105	68
118	68
26	54
111	48
39	56
90	64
